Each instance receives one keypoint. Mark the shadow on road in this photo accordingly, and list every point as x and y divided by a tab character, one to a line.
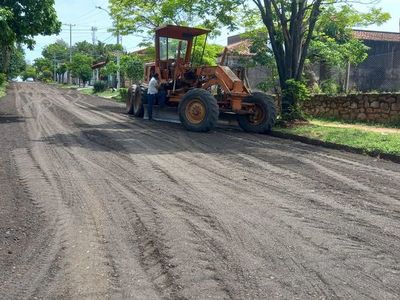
10	119
154	138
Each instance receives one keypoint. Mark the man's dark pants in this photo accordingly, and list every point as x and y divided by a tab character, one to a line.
151	98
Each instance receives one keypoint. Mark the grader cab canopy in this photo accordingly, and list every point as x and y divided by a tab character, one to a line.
175	46
174	41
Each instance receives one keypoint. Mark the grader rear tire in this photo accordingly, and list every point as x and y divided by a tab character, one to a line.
134	103
198	111
264	116
129	101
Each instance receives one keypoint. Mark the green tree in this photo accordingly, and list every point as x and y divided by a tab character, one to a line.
84	47
17	62
58	51
211	52
110	69
42	64
30	72
291	27
132	67
46	76
333	41
81	67
7	38
21	21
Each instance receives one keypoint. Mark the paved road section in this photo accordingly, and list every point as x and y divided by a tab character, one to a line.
97	205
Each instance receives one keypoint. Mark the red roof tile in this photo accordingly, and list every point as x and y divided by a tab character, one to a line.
240	48
376	35
99	65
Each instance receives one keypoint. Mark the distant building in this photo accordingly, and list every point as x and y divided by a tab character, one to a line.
380	71
239	56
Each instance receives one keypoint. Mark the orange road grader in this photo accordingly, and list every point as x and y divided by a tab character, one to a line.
199	94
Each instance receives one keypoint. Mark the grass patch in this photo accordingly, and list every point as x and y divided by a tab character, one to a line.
364	140
68	86
3	89
108	94
391	124
86	90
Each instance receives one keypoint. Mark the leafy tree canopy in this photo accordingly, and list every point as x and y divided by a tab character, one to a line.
133	68
333	41
30	72
137	16
99	52
58	50
81	66
27	19
17	62
110	69
211	52
21	21
42	64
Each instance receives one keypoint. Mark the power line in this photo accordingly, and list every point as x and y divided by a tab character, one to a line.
107	39
91	14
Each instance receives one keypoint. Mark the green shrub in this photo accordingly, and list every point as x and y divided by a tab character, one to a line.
46	76
123	93
395	123
3	78
296	92
99	86
329	87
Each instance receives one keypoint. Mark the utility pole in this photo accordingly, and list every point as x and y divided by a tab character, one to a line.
118	62
55	67
70	50
94	29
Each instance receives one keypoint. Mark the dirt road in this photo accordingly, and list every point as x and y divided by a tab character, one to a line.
98	205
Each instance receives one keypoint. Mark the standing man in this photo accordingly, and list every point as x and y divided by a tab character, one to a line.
152	94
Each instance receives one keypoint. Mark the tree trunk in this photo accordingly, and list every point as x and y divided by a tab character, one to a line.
6	56
290	29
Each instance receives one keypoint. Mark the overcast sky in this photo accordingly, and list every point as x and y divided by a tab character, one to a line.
84	15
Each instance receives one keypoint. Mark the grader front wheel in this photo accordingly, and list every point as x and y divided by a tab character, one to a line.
263	114
198	111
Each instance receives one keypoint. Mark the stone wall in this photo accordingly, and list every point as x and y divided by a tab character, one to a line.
362	107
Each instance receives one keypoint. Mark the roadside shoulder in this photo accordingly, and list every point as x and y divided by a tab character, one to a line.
337	146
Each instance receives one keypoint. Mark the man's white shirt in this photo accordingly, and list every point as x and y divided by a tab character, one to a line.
152	90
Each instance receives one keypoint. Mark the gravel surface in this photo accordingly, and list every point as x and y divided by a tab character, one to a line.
97	205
